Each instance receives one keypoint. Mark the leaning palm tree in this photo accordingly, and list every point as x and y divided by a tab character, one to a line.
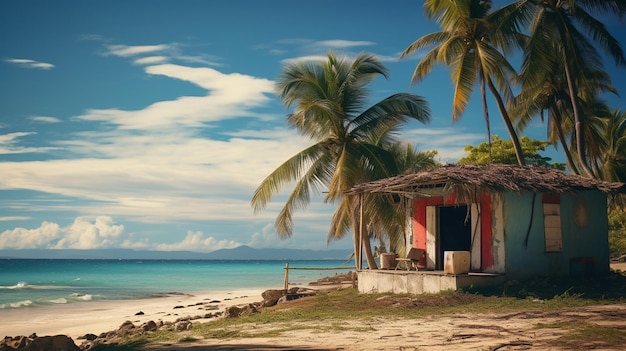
473	42
328	99
568	26
551	95
379	216
387	219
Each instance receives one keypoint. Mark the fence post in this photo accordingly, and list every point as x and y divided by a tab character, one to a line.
286	285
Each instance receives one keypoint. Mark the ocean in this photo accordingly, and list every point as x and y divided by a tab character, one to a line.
28	283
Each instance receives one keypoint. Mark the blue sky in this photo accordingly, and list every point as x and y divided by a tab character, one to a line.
149	124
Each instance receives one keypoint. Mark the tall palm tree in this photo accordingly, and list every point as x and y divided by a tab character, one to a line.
328	99
567	28
473	41
552	96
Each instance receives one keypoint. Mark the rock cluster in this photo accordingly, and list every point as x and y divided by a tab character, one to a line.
36	343
270	298
128	328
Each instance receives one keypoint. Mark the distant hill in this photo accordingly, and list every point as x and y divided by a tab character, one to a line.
239	253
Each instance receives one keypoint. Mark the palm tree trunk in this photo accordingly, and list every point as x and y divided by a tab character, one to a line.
519	153
366	244
486	112
559	131
358	235
578	121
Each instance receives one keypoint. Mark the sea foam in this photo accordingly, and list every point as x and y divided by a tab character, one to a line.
19	304
19	285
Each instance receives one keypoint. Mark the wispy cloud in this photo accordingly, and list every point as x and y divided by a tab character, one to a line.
45	119
340	44
28	63
10	144
160	53
129	51
14	218
151	60
228	96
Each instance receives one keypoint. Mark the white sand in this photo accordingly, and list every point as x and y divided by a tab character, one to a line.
78	319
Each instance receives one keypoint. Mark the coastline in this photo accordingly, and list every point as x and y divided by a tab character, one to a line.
95	317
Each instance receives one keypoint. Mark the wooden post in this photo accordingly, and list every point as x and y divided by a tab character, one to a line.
286	284
360	258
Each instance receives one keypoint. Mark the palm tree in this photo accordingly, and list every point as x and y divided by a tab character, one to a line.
382	217
473	42
552	96
328	99
613	154
568	29
387	221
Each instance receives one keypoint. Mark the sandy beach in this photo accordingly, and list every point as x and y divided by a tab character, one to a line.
95	317
490	330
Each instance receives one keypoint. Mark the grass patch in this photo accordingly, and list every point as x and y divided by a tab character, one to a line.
585	335
340	307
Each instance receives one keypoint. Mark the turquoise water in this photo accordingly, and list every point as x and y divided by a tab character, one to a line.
27	283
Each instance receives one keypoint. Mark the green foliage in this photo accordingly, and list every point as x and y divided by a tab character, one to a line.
502	152
617	231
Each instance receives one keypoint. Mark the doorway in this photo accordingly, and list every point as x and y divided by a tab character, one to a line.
455	231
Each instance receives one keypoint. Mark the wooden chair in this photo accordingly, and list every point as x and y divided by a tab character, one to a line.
412	258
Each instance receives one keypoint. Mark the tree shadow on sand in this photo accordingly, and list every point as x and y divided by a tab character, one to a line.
140	346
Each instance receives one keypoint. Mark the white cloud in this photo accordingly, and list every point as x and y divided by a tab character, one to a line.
82	234
267	237
8	139
13	218
196	241
100	233
9	144
45	119
39	238
340	44
320	58
229	96
28	63
151	60
128	51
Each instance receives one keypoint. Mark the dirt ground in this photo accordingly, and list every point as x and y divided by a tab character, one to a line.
535	330
599	327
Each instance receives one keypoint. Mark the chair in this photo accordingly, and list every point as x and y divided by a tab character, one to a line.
412	258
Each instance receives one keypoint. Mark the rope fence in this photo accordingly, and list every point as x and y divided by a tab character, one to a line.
287	268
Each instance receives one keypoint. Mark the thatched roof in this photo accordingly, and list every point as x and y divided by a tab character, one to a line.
465	179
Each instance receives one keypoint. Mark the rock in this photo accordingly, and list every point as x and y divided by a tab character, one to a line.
17	342
149	326
240	311
140	313
56	343
183	325
271	297
88	337
125	329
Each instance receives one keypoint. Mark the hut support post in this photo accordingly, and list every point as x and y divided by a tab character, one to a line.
360	257
286	283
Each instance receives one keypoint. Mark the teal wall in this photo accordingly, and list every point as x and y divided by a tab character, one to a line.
584	229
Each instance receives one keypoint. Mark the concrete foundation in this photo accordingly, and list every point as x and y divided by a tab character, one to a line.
420	282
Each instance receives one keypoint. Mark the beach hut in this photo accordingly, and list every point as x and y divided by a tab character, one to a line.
484	224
